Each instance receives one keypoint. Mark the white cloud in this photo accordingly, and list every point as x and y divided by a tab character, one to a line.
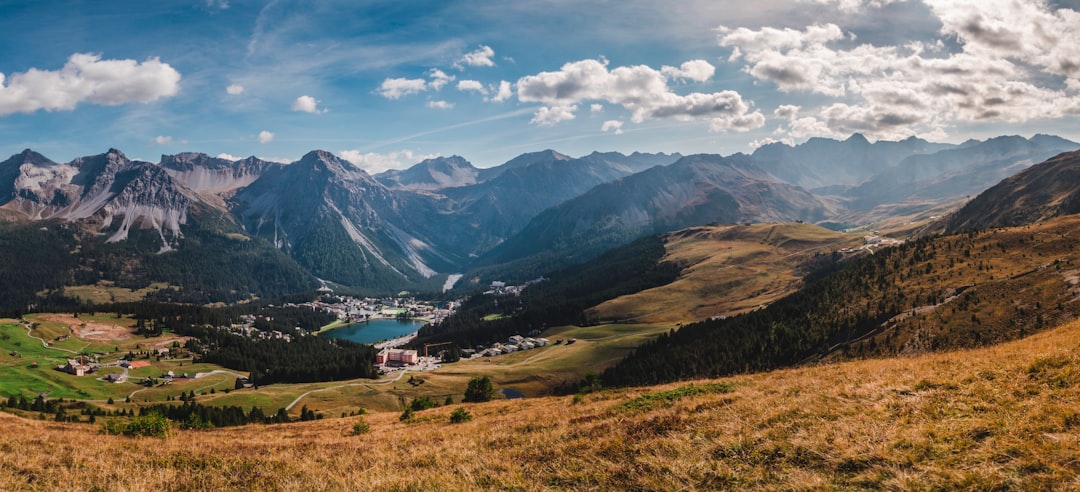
596	108
228	157
696	70
87	78
1011	62
851	6
163	140
217	4
266	137
786	111
471	85
397	87
440	105
439	79
374	163
766	141
234	89
612	125
502	93
481	57
307	104
549	116
640	89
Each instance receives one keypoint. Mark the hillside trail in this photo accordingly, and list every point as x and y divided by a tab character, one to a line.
367	385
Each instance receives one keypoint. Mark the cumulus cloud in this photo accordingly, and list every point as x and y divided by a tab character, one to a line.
596	108
696	70
502	93
440	105
374	162
550	116
612	125
481	57
234	89
266	137
471	85
163	139
307	104
438	79
227	156
640	89
86	78
395	88
1003	68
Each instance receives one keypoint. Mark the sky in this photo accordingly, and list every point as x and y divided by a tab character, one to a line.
385	84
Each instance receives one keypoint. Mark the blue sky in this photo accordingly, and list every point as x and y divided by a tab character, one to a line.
387	83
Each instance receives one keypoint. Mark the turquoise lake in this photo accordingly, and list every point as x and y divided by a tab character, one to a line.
375	330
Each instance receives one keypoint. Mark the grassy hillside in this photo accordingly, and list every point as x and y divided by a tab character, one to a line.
728	269
936	293
1003	417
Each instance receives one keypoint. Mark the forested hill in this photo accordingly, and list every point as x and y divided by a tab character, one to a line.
954	291
561	298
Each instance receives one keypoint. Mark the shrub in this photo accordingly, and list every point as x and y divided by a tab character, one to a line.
460	415
406	415
479	390
152	425
360	427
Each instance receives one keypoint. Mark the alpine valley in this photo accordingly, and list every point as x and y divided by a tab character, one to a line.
205	229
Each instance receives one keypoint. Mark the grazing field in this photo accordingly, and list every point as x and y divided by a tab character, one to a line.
105	292
1002	417
728	270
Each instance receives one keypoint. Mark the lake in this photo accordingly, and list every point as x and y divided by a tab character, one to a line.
375	330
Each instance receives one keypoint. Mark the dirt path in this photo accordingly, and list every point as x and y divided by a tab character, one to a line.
368	385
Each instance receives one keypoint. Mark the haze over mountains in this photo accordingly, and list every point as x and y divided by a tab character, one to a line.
408	229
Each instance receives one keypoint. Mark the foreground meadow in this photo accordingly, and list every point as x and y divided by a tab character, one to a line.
1003	417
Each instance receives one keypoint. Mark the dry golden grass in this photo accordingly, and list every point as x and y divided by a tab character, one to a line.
1003	417
730	269
105	292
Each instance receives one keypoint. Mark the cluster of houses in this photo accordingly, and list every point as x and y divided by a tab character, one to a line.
353	310
80	365
500	288
513	344
247	329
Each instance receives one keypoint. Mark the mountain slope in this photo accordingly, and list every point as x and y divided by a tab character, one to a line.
929	294
695	190
955	173
432	174
338	221
1002	416
824	162
1043	191
730	269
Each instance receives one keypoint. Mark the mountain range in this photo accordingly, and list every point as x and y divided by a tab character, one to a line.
409	229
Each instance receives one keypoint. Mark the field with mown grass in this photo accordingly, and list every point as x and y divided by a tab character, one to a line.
1002	417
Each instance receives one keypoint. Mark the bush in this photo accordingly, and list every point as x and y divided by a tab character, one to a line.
406	415
479	390
153	425
422	403
360	427
460	415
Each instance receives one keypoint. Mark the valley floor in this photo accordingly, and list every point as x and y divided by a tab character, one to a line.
1003	417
